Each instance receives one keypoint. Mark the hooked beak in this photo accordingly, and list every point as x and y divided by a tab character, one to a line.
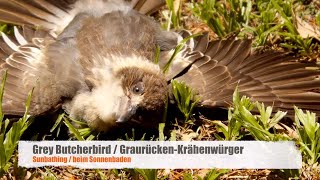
125	110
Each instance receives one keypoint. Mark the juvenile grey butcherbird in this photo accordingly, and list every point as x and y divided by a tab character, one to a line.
96	59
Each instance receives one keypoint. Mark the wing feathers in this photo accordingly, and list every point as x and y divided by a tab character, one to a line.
202	42
21	40
21	59
9	42
274	78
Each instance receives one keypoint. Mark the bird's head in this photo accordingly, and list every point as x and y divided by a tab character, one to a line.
126	89
144	91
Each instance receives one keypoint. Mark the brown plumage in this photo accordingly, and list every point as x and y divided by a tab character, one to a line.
95	57
274	78
154	87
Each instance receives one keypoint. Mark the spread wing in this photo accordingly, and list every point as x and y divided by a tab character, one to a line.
275	78
25	54
22	58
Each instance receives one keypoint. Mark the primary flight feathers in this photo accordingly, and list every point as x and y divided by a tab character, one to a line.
101	53
274	78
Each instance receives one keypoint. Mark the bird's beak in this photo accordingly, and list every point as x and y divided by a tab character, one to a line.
125	110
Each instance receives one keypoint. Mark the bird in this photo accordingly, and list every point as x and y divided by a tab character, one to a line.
95	59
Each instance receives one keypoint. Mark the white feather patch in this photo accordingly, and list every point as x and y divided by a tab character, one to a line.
100	7
8	41
99	108
19	37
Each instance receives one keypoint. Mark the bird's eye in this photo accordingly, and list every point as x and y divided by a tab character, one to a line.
138	88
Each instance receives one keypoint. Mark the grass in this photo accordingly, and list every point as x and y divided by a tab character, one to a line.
269	23
173	15
258	125
308	130
6	28
185	98
224	17
241	121
9	137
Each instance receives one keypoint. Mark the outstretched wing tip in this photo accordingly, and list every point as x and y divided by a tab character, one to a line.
254	73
